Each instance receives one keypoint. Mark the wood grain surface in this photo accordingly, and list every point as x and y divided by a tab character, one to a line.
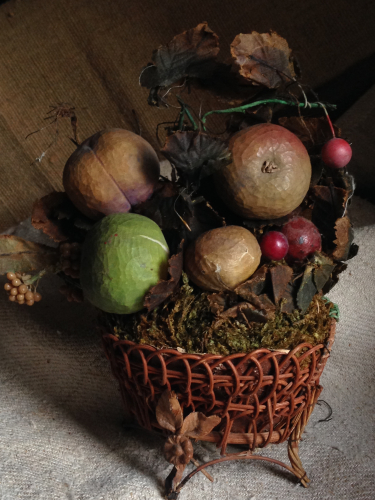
90	53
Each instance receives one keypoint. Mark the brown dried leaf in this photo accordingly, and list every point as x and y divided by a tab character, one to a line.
196	155
160	207
18	255
198	215
344	238
189	54
288	305
280	275
218	302
164	289
44	216
323	269
307	289
263	59
245	312
255	285
332	196
169	412
311	131
197	425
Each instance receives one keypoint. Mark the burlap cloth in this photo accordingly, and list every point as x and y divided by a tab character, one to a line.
64	434
63	431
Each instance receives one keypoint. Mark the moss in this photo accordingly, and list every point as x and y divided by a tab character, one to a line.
186	322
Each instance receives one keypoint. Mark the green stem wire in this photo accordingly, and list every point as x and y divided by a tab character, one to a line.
242	109
185	111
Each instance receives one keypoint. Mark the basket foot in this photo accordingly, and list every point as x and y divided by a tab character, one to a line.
293	453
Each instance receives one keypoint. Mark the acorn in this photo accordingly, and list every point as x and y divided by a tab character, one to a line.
111	172
269	175
223	258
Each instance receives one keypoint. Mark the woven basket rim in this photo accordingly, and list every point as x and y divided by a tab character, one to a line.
261	350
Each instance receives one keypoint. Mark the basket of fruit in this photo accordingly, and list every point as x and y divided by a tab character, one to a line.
210	281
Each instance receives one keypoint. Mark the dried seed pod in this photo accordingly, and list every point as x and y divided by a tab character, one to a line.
222	258
269	175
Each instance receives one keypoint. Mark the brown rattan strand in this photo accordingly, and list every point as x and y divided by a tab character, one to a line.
262	397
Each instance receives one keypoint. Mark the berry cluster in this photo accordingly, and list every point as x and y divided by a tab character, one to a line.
72	293
19	292
70	259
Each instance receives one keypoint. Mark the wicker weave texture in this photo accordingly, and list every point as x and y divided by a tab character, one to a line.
257	395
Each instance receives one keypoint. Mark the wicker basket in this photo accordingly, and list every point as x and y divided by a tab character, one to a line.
261	397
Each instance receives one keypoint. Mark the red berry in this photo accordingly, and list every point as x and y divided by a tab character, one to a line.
303	238
274	245
336	153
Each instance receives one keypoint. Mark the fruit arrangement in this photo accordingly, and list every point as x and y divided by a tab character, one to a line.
237	249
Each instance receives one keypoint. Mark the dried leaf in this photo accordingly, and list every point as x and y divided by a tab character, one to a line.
189	54
280	275
245	312
197	425
307	289
255	285
164	289
18	255
263	59
334	197
196	155
44	216
218	302
169	412
288	304
311	131
323	270
334	278
344	238
160	207
198	216
57	217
